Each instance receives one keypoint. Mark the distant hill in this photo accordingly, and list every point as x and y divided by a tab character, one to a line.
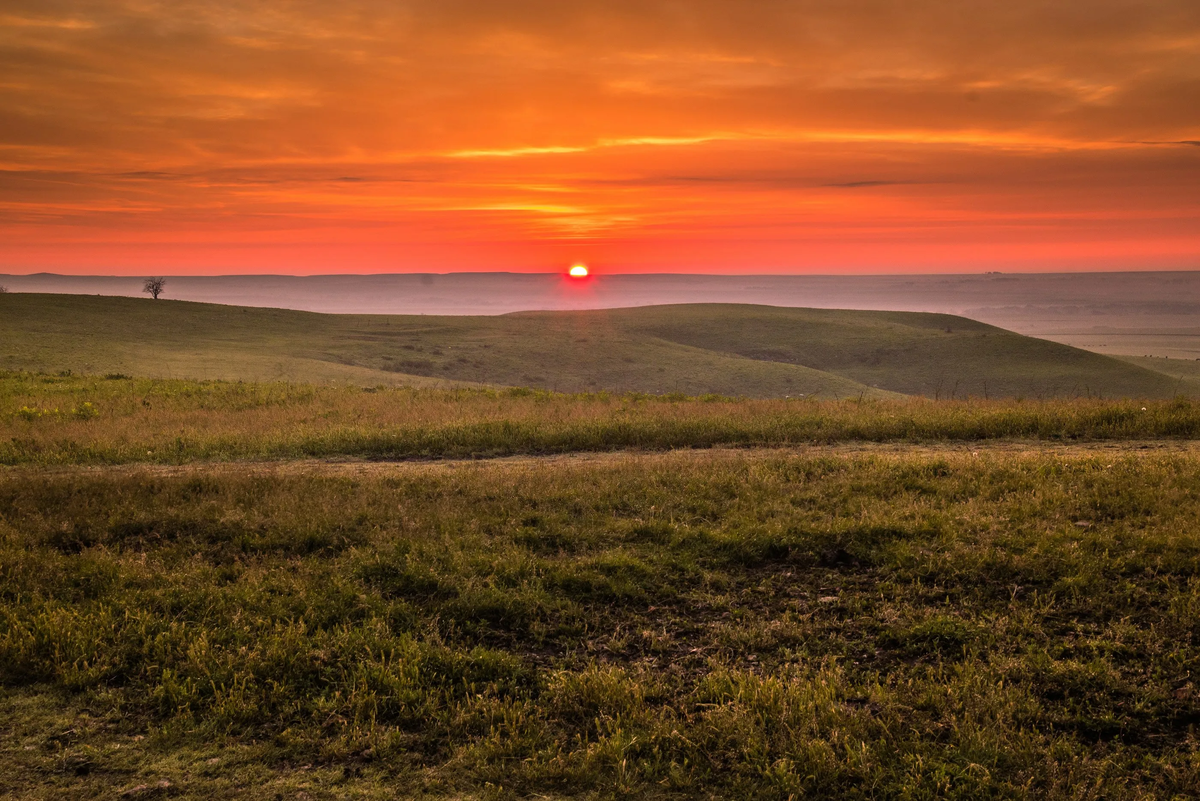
936	355
741	350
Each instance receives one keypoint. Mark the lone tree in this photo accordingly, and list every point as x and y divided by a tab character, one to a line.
154	286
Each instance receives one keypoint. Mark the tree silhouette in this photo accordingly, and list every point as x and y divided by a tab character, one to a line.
154	286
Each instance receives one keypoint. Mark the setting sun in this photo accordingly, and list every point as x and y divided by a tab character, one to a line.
579	271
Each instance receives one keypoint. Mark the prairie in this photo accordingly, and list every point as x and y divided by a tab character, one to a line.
89	420
723	349
998	621
422	587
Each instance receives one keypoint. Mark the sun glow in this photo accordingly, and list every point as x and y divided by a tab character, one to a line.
579	271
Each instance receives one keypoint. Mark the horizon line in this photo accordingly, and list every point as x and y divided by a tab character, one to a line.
601	274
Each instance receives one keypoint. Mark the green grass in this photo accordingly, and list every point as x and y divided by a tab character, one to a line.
935	355
1184	371
737	351
86	420
839	624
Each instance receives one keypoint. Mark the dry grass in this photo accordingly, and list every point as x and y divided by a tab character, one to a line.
69	419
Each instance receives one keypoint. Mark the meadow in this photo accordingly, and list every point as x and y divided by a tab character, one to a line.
67	419
273	590
998	621
363	582
723	349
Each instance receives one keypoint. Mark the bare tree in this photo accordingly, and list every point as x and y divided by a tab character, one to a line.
3	290
154	286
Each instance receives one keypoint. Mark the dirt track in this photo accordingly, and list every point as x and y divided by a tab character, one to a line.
352	466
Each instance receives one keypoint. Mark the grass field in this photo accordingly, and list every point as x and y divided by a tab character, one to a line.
737	351
1139	342
1185	370
335	589
83	420
850	622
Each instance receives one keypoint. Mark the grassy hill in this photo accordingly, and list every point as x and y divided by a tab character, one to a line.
737	350
911	353
1185	372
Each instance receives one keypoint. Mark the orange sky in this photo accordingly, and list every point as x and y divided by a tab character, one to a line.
757	136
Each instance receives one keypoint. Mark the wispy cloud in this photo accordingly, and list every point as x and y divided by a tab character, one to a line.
514	152
865	184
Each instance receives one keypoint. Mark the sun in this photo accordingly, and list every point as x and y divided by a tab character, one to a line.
579	271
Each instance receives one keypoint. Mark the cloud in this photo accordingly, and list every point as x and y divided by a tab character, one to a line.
253	81
865	184
423	115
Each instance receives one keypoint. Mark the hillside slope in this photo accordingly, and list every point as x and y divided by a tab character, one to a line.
752	351
561	352
937	355
1184	372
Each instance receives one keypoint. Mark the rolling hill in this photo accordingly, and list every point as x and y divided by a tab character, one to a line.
737	350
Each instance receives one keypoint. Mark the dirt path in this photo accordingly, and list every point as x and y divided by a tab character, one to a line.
365	467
